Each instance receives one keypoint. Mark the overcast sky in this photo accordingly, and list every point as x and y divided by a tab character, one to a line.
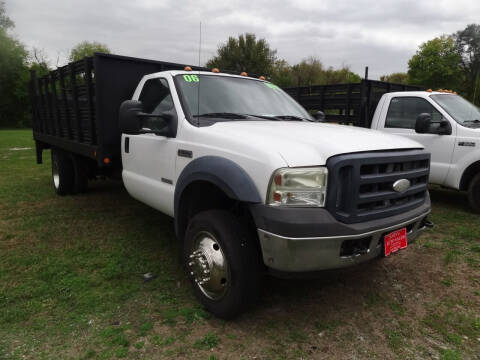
380	34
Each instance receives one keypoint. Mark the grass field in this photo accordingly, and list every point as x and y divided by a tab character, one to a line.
71	285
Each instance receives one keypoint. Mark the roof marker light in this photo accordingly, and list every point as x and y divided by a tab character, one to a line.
429	90
262	77
243	73
187	68
215	70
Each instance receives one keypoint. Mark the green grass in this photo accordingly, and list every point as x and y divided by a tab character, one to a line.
209	341
71	285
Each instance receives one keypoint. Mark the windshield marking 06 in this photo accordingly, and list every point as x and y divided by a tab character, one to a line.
190	78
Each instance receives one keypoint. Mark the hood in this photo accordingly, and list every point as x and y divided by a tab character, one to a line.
307	143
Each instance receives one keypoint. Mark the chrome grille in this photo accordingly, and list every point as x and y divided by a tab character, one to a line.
361	184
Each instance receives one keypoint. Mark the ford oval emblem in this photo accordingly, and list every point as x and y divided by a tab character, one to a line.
401	185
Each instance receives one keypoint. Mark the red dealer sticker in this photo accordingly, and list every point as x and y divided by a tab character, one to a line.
395	241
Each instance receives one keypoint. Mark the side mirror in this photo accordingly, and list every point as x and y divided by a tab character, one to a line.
444	128
132	120
165	123
422	124
320	116
128	120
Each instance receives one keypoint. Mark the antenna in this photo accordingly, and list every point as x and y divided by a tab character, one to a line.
475	90
200	44
198	90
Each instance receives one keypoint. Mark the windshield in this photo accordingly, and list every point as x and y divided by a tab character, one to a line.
232	98
462	111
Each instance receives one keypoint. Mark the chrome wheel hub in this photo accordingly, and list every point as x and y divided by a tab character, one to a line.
208	266
55	174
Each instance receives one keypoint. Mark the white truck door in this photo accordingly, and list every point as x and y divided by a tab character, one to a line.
399	119
149	159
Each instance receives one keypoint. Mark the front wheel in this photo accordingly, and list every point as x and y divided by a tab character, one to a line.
223	263
474	193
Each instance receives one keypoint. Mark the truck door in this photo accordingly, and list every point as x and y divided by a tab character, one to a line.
400	119
149	159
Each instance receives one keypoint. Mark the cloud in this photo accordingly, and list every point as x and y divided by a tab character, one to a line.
380	34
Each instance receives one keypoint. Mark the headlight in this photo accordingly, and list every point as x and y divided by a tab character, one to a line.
298	187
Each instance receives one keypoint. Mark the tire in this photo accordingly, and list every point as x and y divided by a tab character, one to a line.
474	193
80	180
220	236
62	173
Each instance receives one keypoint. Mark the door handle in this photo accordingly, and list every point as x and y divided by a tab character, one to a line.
127	145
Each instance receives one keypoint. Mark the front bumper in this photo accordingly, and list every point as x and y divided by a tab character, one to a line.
323	242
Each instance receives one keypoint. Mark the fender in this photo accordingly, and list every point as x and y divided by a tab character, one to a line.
232	179
455	177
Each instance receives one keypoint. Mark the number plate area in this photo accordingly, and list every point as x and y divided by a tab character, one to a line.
395	241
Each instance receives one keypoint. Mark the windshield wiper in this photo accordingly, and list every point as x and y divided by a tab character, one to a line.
292	118
280	117
222	115
227	115
267	117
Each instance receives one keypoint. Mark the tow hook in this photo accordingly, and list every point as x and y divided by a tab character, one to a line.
427	223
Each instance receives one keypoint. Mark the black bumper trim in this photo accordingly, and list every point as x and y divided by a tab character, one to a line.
318	222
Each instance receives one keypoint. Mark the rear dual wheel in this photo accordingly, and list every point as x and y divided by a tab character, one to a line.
69	173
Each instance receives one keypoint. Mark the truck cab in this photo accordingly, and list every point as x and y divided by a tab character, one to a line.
452	138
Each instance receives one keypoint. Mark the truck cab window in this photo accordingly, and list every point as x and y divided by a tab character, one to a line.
156	99
403	112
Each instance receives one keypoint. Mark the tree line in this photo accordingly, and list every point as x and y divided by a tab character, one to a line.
448	62
15	65
247	53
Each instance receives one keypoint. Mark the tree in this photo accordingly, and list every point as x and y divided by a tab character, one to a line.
245	53
436	64
86	48
282	74
398	78
467	42
340	76
5	21
39	62
13	76
308	72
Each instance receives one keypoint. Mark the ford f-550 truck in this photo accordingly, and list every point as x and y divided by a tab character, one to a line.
251	179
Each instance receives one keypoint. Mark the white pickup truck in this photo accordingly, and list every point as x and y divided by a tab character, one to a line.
448	127
253	181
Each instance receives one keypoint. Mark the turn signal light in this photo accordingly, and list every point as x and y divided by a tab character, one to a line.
106	160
